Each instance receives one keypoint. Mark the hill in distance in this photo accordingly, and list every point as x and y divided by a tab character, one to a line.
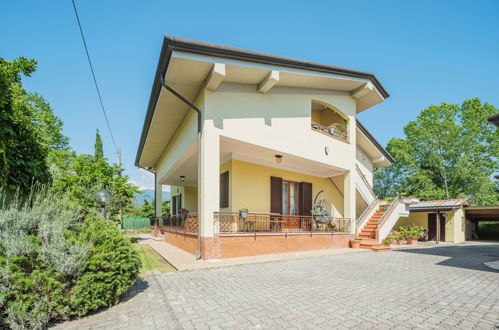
148	195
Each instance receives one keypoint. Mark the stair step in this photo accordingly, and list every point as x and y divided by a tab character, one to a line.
374	245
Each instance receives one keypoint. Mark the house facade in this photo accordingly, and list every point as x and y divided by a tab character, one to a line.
263	153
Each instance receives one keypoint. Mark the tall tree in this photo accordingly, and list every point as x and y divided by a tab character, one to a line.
99	151
29	130
450	151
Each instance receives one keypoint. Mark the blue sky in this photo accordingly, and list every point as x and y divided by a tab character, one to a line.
424	52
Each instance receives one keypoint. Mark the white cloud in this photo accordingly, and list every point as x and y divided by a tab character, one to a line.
144	179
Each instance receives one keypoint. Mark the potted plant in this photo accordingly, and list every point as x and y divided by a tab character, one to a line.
243	213
412	233
391	238
318	214
355	243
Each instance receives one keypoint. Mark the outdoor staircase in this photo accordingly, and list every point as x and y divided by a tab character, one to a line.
369	230
368	234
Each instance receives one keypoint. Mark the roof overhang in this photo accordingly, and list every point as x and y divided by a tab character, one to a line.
484	213
439	205
190	66
379	155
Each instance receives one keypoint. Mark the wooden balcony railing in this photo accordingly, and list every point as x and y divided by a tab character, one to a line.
339	132
232	222
178	223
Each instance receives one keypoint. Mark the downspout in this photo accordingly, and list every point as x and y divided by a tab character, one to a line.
193	107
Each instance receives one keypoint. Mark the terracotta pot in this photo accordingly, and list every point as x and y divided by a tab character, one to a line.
355	244
412	241
389	240
400	241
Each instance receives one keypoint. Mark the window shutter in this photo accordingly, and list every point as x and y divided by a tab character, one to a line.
275	195
224	189
305	198
179	201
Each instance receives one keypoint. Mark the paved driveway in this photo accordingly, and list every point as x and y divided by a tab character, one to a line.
442	287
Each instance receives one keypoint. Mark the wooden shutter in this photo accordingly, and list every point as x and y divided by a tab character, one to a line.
224	189
305	200
179	198
275	195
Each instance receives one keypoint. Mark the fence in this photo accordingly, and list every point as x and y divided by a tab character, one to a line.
232	222
136	223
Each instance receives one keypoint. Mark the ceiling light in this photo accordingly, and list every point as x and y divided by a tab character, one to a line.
182	178
278	159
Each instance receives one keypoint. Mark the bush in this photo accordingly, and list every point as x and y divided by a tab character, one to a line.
55	262
113	266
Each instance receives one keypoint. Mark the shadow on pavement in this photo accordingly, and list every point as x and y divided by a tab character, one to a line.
462	256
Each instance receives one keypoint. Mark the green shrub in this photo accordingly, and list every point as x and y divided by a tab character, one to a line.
55	262
113	266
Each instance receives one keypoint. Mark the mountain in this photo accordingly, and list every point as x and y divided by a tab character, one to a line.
148	195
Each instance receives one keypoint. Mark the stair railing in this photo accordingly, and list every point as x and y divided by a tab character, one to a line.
389	210
366	210
386	215
364	179
364	216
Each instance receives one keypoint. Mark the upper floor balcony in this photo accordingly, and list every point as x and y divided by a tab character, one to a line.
329	121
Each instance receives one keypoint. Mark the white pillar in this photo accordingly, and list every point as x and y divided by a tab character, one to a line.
158	196
208	178
349	207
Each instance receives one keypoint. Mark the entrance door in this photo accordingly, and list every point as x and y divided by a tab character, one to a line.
432	227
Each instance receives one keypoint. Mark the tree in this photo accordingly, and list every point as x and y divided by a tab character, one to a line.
99	152
449	151
29	130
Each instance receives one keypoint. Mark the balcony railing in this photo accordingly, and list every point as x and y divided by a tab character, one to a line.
339	131
179	223
232	222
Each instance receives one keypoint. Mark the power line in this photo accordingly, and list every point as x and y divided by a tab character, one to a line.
93	75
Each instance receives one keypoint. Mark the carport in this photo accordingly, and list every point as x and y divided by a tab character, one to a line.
482	222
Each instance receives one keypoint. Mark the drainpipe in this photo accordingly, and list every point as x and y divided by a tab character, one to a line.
193	107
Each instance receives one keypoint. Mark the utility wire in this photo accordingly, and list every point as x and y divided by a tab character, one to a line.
93	75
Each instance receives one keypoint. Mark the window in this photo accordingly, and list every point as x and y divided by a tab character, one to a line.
290	198
224	189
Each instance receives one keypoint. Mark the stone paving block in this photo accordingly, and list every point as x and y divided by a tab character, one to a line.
442	287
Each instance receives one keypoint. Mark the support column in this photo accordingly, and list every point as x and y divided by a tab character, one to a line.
158	197
349	209
208	189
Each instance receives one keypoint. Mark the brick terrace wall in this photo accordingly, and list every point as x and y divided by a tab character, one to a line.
187	242
249	245
242	245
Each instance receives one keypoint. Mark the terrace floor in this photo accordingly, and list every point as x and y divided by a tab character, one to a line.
432	287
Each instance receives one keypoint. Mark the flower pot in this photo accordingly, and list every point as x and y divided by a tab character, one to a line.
389	240
355	244
400	241
411	241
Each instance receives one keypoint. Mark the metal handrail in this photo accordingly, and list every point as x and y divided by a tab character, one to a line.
232	222
363	177
366	210
389	209
330	131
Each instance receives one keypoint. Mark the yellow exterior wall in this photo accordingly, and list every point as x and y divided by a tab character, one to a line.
250	187
454	228
189	197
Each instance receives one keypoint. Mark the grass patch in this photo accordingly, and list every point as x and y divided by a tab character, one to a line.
152	261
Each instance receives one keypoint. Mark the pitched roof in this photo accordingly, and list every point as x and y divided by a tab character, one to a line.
443	204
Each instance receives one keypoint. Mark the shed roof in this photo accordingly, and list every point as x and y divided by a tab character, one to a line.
439	205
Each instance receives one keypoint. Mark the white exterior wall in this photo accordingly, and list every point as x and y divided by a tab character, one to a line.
365	165
281	120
